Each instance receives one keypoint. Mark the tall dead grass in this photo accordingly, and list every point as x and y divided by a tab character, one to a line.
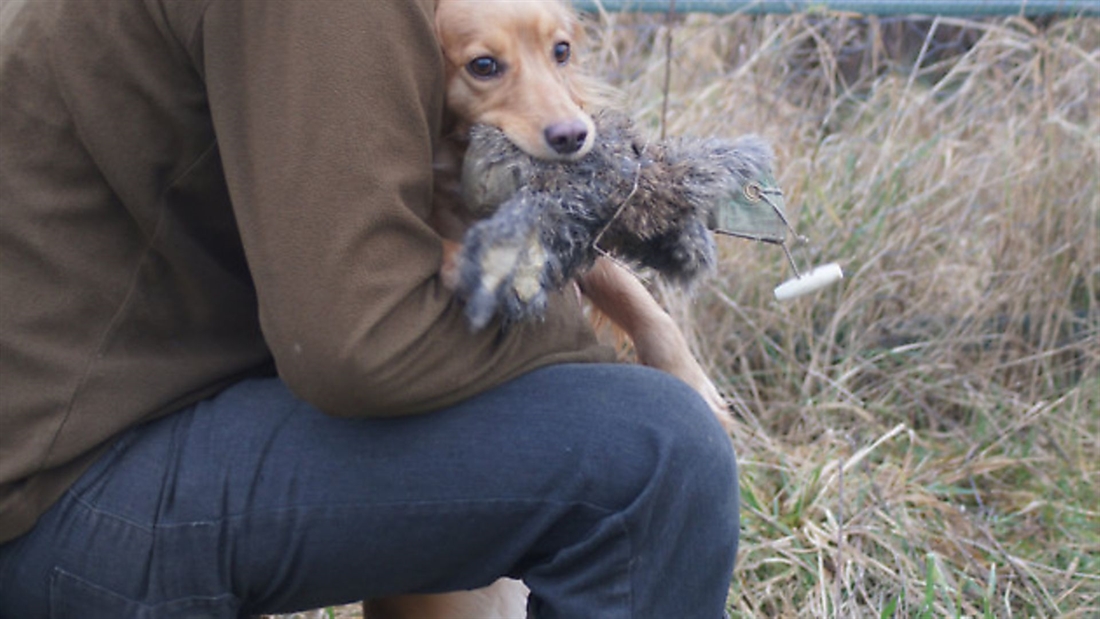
924	438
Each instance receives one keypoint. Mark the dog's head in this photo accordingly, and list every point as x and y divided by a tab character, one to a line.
509	64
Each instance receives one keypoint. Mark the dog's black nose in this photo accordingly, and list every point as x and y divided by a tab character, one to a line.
566	137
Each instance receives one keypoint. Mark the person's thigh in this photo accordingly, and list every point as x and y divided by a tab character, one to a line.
254	501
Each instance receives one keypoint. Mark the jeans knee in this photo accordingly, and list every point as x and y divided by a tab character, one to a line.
685	505
634	440
699	463
667	447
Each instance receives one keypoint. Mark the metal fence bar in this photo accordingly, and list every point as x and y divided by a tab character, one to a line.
870	7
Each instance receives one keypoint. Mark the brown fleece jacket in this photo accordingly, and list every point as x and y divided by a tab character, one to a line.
194	189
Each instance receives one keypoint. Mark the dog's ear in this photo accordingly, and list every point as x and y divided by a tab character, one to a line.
591	93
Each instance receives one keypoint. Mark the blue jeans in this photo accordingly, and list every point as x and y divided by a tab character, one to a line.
609	489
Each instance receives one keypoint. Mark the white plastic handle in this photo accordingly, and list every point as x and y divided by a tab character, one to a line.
816	279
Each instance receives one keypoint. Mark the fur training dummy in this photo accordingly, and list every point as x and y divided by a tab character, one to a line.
652	204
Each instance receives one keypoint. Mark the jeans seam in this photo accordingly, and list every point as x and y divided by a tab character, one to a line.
630	561
82	502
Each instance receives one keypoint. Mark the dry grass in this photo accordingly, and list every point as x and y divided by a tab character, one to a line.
924	439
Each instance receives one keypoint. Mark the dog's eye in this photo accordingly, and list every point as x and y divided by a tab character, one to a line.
562	52
483	66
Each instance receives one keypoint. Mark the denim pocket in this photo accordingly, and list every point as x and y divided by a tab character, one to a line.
72	597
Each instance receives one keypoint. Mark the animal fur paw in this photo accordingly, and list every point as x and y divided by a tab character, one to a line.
504	269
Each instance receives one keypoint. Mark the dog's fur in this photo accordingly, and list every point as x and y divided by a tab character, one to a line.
510	64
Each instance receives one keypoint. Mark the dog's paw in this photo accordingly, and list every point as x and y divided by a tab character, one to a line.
450	267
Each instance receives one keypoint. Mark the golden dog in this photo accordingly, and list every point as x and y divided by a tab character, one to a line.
511	64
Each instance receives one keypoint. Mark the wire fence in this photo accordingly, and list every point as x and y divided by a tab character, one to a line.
959	8
844	49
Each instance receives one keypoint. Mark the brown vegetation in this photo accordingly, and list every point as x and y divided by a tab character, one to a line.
924	438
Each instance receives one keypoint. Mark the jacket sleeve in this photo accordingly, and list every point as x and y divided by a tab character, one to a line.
325	115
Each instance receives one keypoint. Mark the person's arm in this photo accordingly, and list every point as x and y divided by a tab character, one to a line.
325	115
